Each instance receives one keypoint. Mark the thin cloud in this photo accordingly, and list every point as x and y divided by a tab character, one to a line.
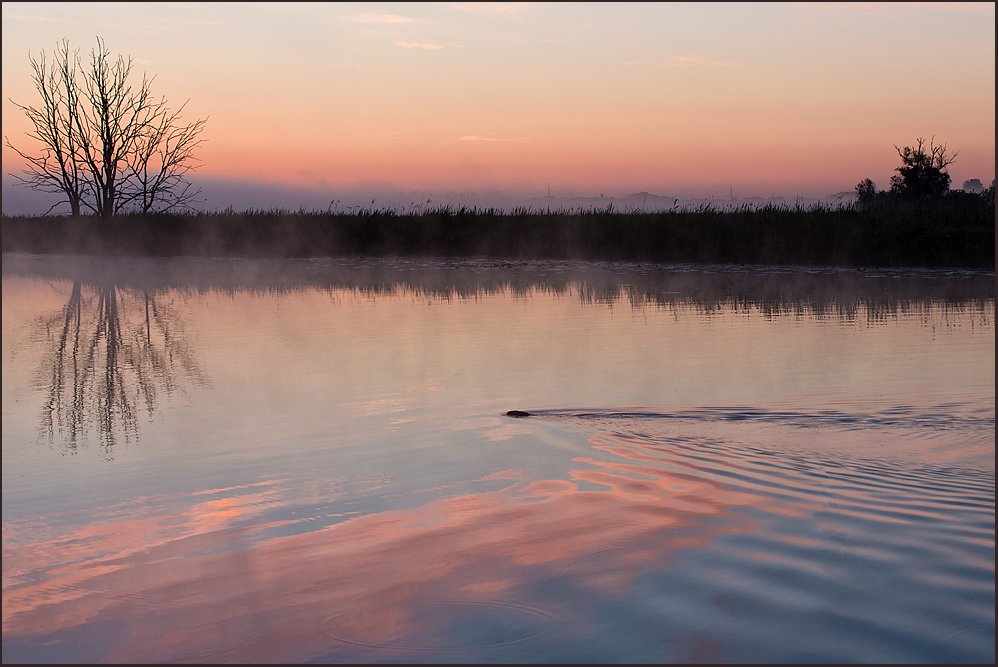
382	18
843	7
22	17
697	60
418	45
982	8
491	7
873	8
687	61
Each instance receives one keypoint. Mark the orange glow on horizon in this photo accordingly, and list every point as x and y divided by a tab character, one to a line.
790	169
783	99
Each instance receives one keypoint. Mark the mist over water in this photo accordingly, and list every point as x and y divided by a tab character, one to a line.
219	194
242	460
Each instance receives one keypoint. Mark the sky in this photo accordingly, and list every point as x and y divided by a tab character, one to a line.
313	102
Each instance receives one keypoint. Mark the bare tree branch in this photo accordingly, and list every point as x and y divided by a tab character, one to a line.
59	168
106	146
163	156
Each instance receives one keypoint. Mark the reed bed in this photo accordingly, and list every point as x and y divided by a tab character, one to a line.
956	233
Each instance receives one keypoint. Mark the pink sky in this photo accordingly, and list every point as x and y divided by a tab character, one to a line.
788	99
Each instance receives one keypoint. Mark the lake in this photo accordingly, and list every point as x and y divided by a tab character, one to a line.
289	461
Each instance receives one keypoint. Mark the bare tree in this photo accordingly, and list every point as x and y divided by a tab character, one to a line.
106	146
60	168
110	125
163	156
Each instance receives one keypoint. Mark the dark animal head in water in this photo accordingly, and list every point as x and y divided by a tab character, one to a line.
517	413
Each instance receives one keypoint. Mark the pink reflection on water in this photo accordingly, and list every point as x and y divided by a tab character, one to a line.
185	593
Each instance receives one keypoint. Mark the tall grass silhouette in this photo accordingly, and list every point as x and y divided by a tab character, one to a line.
957	232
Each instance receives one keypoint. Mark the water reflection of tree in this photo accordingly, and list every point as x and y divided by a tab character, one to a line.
113	351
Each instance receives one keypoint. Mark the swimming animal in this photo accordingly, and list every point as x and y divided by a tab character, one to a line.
517	413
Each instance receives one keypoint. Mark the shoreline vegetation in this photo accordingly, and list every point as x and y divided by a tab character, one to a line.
954	231
111	148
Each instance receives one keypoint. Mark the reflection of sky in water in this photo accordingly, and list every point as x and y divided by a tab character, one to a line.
325	473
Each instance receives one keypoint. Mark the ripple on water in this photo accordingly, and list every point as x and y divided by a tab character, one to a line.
858	550
437	625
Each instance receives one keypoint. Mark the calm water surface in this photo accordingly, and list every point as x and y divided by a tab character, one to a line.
311	461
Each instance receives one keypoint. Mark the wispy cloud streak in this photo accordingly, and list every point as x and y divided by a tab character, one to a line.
491	7
873	8
418	45
382	18
687	61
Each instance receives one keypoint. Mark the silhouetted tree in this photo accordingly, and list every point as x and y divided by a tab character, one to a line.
922	174
60	167
866	192
106	146
163	156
